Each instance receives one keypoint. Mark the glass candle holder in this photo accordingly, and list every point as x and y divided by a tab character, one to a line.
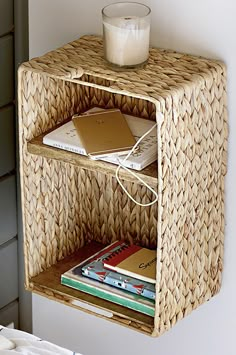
126	32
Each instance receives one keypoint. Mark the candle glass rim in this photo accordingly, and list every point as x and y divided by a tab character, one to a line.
127	2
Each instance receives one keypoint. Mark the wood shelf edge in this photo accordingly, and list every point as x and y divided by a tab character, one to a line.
36	147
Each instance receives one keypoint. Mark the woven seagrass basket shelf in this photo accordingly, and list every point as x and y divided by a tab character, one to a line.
69	201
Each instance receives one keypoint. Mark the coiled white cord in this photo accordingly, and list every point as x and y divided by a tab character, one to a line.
134	174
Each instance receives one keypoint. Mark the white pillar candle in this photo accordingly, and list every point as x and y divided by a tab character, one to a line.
126	30
126	41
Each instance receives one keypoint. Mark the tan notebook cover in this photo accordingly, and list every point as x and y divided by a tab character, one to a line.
104	132
134	261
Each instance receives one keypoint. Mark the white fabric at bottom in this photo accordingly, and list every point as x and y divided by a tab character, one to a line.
29	344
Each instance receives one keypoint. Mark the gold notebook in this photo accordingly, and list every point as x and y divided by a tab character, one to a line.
104	133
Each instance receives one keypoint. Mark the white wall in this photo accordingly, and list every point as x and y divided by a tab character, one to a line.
204	27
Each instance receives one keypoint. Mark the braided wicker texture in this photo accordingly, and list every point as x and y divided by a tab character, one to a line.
64	206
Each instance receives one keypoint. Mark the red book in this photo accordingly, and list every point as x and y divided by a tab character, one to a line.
134	261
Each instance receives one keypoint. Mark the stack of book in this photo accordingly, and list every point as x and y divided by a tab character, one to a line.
120	273
107	135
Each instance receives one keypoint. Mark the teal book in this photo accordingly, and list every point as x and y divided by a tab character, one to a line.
74	278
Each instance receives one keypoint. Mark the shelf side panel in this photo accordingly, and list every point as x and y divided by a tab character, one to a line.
194	144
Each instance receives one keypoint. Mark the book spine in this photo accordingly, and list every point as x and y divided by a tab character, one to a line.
127	163
132	165
69	148
98	292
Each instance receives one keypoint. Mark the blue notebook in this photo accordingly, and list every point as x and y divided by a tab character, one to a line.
95	270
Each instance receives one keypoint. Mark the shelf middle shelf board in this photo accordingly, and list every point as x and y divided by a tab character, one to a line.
36	146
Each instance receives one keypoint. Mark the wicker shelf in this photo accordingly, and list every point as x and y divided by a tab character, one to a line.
69	201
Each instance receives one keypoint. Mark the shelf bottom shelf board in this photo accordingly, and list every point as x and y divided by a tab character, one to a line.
48	284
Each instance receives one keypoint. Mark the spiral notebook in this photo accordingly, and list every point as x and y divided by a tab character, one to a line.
134	261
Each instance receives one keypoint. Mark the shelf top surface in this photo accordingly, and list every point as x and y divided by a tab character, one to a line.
165	74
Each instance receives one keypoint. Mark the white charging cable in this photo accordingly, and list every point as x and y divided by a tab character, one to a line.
121	165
